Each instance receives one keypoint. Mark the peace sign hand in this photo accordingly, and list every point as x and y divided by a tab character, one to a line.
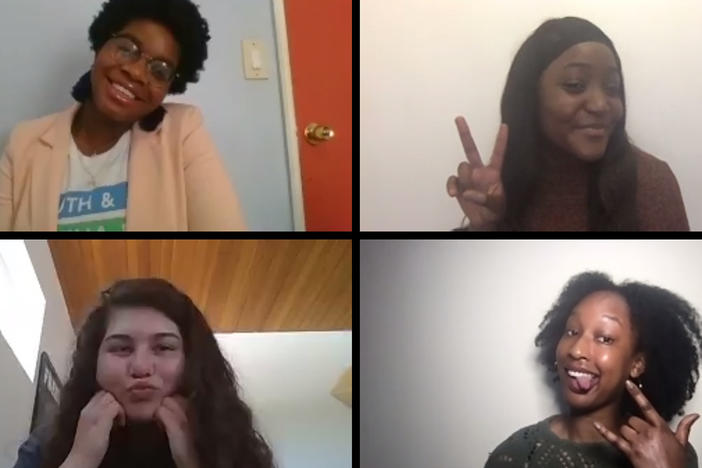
478	188
650	443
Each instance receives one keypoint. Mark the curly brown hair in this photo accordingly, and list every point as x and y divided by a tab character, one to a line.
223	424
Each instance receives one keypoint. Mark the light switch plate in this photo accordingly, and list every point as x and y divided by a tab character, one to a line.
255	63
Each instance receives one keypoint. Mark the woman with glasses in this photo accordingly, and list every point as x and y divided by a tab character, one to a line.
120	159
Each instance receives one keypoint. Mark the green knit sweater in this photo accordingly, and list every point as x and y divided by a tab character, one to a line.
536	446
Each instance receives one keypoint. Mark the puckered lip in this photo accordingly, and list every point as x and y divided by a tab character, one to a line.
142	386
581	369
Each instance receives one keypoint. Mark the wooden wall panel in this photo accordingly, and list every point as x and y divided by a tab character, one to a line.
240	285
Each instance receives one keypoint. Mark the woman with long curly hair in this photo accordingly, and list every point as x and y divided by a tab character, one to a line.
119	159
626	359
563	160
149	387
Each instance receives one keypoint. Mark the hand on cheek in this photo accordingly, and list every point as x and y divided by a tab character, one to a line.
171	415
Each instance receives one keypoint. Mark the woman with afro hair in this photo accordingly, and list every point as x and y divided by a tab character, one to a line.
624	360
120	159
148	388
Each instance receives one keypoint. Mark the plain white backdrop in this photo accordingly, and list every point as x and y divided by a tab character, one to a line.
423	62
447	330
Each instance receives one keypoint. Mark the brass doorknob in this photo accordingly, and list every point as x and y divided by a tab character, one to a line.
315	133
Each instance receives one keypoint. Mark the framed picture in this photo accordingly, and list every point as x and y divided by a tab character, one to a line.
48	391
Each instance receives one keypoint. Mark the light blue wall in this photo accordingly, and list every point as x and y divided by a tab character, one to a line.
44	49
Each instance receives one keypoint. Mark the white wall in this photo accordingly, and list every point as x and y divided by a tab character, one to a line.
447	354
17	395
286	380
47	53
57	339
423	62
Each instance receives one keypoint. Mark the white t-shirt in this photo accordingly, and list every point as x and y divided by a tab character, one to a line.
95	189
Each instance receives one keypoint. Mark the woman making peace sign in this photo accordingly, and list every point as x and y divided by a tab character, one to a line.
568	163
597	338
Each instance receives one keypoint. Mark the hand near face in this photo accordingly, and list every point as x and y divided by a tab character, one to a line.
94	425
478	188
650	443
173	416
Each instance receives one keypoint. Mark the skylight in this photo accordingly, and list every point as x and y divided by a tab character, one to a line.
21	304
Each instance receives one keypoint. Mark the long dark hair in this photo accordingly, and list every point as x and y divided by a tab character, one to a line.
222	426
612	185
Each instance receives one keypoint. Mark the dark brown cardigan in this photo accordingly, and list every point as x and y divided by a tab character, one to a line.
560	201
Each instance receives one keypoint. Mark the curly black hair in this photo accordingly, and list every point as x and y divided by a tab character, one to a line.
181	17
667	329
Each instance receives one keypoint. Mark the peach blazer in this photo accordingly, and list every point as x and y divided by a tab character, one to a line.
176	179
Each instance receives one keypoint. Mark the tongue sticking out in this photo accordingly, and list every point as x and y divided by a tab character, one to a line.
585	383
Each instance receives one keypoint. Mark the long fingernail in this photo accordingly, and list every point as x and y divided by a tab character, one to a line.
597	425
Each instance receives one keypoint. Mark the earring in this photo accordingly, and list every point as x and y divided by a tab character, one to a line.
638	384
554	369
151	121
82	90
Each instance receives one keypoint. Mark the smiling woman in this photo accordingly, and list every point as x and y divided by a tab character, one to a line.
563	160
120	159
597	338
149	387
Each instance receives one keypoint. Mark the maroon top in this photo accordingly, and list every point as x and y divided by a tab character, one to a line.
560	201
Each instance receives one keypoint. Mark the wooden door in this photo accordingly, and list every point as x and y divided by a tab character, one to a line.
319	42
